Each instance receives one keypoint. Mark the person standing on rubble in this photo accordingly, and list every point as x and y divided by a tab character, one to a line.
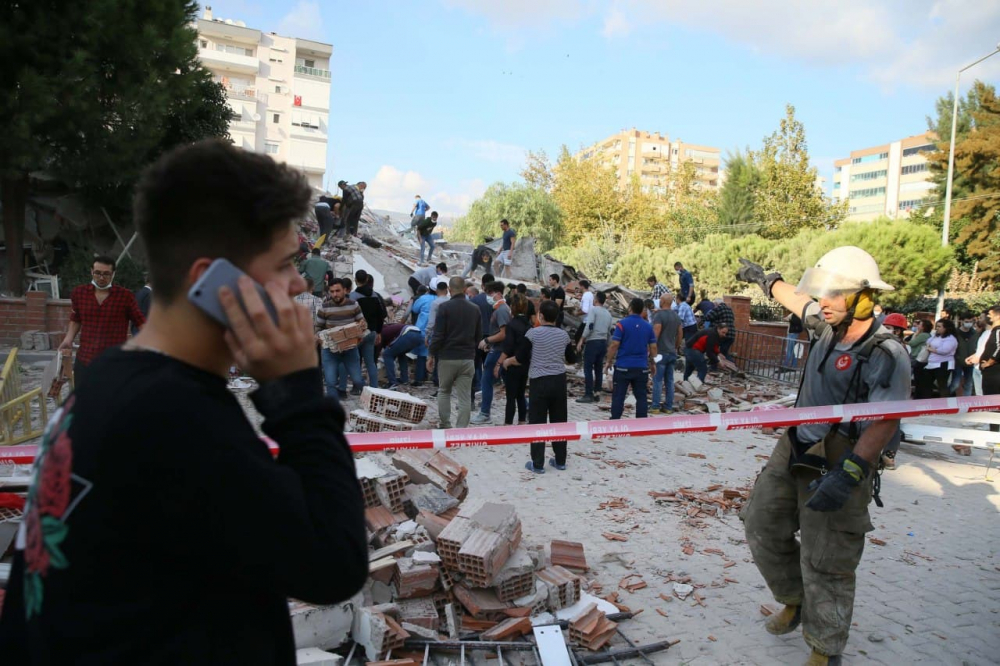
339	310
669	332
315	268
631	353
457	330
506	257
819	478
481	300
375	314
419	211
557	295
686	283
515	377
491	344
684	311
152	467
658	288
425	234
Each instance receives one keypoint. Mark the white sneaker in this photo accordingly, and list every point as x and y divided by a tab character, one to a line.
411	356
481	419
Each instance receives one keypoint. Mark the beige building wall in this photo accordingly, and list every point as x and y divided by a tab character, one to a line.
278	87
652	156
892	179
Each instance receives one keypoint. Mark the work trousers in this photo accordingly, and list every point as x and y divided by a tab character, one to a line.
414	284
548	405
594	352
351	219
410	341
817	571
515	382
427	240
455	374
638	379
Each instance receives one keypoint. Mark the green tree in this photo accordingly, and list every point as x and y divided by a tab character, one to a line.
787	199
530	210
736	198
587	194
92	92
975	181
537	170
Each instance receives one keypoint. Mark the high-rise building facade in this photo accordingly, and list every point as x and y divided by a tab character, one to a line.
891	180
278	88
652	156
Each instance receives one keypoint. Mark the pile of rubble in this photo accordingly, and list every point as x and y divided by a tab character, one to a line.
443	572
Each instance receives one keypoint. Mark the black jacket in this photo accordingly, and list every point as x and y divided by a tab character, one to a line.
457	330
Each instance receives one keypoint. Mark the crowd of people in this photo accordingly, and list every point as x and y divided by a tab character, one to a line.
114	472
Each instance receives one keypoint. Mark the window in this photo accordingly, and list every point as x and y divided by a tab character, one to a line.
837	169
916	150
910	204
203	43
309	63
914	168
868	192
276	118
869	175
277	89
836	186
870	158
236	50
271	148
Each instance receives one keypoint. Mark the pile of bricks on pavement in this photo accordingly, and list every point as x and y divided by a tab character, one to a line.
440	570
386	411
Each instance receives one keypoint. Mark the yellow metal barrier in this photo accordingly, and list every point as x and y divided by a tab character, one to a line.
16	424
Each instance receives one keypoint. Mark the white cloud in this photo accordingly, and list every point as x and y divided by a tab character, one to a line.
305	20
893	42
615	24
394	189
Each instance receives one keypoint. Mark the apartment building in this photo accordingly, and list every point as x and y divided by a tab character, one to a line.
278	87
652	156
891	180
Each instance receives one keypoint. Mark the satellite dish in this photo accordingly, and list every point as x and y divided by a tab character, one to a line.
256	117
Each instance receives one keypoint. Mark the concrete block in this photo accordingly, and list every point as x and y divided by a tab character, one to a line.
28	340
316	657
323	627
713	408
695	383
715	394
40	340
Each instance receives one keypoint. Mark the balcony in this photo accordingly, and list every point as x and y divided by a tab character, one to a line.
312	71
244	92
233	62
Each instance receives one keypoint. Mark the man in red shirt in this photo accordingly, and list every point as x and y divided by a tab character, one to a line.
101	313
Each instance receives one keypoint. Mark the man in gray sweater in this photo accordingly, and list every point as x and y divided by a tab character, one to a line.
458	327
594	344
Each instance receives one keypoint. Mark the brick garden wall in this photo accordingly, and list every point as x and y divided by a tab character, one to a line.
34	312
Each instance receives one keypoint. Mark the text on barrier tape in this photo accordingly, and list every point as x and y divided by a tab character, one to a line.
655	425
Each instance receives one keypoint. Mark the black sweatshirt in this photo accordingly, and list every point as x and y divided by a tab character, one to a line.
458	328
160	529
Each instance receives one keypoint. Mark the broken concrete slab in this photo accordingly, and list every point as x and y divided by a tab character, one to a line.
317	657
322	627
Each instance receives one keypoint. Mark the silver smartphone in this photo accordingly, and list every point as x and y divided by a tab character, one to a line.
204	293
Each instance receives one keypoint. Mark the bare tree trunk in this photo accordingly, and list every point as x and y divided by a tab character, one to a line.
14	196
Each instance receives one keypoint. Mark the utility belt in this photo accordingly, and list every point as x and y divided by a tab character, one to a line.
824	455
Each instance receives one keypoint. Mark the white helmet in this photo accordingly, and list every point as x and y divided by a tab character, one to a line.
842	270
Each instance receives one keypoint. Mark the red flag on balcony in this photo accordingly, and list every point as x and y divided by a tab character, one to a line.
298	100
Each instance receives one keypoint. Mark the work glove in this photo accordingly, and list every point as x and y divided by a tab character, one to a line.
834	488
754	274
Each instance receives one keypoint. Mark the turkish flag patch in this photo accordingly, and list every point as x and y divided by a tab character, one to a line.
843	362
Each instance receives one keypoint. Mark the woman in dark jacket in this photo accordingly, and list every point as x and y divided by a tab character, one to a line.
515	379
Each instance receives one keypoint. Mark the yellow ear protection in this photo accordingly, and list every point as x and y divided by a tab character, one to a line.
861	305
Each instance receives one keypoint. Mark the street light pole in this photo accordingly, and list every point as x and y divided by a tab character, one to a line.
946	227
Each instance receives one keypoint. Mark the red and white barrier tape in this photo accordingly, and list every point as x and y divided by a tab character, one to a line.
656	425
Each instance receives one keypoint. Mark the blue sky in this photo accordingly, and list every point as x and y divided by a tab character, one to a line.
442	97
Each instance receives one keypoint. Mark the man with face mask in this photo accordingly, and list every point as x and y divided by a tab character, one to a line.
818	480
961	378
101	312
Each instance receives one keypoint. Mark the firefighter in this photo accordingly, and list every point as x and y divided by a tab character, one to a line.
820	478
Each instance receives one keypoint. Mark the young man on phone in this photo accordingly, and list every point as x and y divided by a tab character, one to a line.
159	528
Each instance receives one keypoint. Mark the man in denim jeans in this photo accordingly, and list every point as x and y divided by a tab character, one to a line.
339	310
492	343
425	234
668	329
631	352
